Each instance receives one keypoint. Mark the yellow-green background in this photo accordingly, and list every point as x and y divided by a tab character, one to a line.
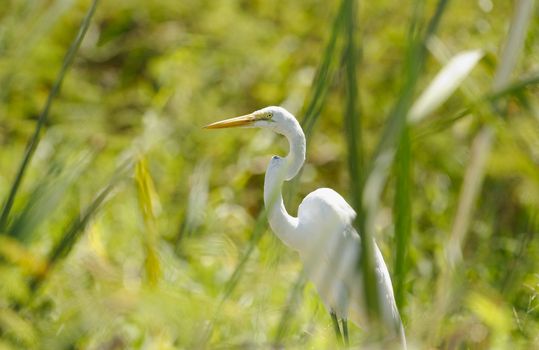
150	74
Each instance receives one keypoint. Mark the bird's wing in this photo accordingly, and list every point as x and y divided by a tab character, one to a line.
331	247
331	257
327	202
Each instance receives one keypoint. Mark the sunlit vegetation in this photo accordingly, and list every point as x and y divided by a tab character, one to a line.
124	225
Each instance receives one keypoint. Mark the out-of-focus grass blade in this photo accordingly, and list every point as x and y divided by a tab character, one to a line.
470	189
403	215
147	195
34	140
397	118
514	87
41	20
198	199
46	197
288	312
352	115
391	136
78	224
444	84
352	123
261	226
324	75
483	141
319	88
147	198
473	179
514	43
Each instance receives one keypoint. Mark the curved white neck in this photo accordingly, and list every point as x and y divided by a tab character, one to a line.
279	170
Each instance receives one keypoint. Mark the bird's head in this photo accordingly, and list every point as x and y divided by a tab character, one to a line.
279	120
274	118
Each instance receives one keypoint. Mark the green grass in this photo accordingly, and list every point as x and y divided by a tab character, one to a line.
124	225
34	140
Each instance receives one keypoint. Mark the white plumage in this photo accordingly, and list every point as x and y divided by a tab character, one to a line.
323	233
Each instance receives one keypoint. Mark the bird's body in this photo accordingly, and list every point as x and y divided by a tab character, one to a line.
331	259
323	232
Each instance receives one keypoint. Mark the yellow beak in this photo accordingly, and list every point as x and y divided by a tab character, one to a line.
244	120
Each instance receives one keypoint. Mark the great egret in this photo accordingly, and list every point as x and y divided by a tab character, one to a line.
322	233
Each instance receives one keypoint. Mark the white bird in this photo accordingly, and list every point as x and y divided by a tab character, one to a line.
323	233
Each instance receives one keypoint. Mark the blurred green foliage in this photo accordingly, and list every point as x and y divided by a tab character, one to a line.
153	214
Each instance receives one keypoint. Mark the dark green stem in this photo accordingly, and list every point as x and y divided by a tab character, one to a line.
43	116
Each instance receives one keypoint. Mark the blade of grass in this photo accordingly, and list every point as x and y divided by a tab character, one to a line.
38	20
515	40
148	201
469	191
403	216
477	105
319	89
444	84
352	123
324	75
71	236
516	87
391	136
196	204
34	139
513	88
441	87
288	312
260	227
514	43
473	179
77	226
352	115
46	197
414	65
230	285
